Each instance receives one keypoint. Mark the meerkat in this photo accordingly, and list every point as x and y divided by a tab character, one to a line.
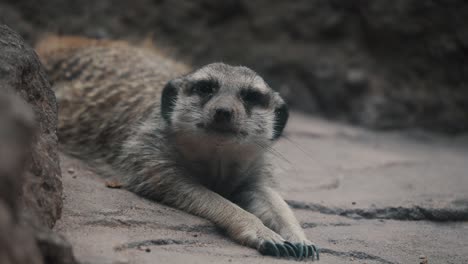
194	140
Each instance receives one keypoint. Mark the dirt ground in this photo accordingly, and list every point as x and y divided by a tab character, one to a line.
363	197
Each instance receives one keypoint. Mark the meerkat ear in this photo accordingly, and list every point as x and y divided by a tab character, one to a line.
281	118
169	98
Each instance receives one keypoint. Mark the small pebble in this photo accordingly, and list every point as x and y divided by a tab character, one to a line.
71	170
143	248
353	203
113	184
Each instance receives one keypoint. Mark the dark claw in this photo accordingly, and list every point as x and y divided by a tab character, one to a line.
291	249
268	248
311	250
283	251
306	252
300	251
317	249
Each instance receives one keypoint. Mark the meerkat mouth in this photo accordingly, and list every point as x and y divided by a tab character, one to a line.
223	130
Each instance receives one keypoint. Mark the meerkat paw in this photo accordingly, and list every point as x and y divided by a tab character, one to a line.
304	248
265	240
279	247
307	250
298	251
271	244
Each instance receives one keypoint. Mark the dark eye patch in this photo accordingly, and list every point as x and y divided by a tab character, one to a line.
281	118
204	88
254	98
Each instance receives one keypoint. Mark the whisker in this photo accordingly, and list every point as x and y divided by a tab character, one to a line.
273	151
296	145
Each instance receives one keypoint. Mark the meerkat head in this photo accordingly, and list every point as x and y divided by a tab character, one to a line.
224	102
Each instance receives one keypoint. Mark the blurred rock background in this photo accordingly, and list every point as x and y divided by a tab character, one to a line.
381	64
398	64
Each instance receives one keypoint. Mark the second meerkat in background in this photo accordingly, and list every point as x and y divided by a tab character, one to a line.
196	141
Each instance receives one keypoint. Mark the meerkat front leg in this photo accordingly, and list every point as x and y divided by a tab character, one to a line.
269	206
242	226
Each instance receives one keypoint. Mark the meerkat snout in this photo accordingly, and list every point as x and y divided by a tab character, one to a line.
222	118
222	115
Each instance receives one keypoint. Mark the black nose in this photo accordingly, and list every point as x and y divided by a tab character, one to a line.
223	115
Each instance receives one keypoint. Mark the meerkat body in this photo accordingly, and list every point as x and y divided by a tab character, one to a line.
196	141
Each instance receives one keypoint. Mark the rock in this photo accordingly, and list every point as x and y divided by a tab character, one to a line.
21	72
17	245
30	177
357	80
54	248
16	131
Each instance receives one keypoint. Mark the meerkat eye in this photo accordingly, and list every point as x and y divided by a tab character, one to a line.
204	88
252	97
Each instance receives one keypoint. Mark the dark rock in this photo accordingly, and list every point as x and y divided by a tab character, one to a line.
22	73
16	131
357	80
30	178
54	248
17	244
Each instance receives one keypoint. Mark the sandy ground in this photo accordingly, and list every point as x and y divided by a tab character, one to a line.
363	197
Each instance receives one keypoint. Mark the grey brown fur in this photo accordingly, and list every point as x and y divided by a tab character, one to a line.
196	141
